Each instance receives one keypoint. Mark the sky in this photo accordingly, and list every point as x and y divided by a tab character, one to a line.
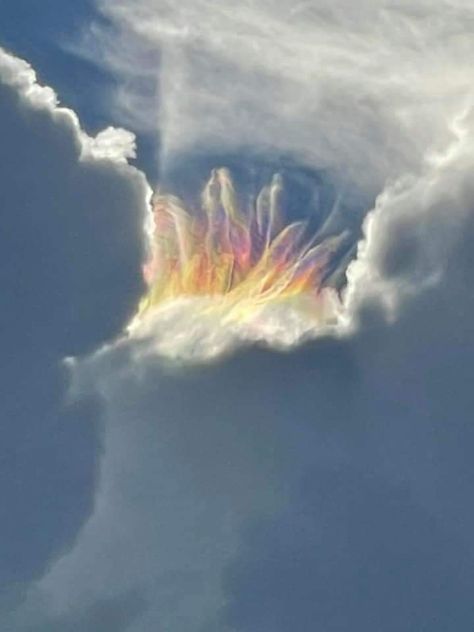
286	450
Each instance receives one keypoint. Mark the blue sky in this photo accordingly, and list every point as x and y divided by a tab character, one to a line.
326	487
41	33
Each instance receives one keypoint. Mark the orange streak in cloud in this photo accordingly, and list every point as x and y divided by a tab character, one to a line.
248	258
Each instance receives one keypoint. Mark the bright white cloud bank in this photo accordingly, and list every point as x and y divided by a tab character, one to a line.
194	456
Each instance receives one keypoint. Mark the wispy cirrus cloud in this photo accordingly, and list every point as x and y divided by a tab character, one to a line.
365	90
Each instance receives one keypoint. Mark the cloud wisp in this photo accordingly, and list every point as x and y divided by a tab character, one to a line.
360	89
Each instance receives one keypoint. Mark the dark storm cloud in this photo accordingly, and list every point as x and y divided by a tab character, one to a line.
70	251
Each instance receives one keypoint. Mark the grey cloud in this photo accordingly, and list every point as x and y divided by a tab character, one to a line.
276	482
381	539
70	253
350	552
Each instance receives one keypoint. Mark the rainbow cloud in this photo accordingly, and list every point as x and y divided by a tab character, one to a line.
243	271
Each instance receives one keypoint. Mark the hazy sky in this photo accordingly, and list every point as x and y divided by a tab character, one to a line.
198	474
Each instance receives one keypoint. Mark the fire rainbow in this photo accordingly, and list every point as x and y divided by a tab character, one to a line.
245	261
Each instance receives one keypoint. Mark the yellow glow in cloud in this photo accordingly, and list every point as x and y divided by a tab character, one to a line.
246	264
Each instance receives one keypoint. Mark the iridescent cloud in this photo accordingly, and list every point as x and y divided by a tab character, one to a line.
243	262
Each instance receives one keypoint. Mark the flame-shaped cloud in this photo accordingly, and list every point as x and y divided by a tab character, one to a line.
245	264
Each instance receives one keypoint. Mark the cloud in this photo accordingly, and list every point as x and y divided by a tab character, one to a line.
189	458
350	553
349	94
272	490
407	239
332	482
70	253
415	226
360	89
116	615
379	536
61	176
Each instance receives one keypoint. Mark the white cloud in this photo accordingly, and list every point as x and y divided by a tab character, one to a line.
360	88
114	144
414	228
19	74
